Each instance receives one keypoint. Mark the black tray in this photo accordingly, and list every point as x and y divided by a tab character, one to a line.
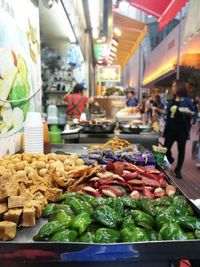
99	128
130	129
151	254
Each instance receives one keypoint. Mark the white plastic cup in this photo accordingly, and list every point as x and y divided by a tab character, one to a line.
34	133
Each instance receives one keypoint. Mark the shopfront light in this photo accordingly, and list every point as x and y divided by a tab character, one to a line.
117	31
123	5
112	57
114	42
112	53
101	40
94	11
113	48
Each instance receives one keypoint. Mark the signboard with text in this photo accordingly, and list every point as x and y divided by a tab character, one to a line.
109	73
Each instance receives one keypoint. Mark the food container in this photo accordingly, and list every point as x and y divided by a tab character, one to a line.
128	128
23	250
100	127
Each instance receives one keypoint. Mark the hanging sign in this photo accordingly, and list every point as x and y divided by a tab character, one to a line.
109	73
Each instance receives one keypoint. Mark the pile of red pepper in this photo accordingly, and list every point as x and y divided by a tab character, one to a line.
122	178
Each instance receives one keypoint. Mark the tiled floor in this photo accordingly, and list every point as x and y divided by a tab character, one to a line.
190	184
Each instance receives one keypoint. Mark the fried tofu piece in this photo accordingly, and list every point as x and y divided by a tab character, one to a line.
28	217
21	177
27	194
7	190
7	230
38	207
13	215
12	189
3	208
3	195
16	202
53	194
41	199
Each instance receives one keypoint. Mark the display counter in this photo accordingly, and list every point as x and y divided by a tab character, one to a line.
24	252
145	139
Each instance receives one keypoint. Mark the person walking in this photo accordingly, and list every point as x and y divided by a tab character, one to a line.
178	123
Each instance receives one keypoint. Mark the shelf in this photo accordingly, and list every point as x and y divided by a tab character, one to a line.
63	81
57	105
55	92
61	124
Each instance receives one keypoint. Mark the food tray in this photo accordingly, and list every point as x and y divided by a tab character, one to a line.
99	128
24	248
153	253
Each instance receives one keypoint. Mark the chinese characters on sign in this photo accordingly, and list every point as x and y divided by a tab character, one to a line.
109	73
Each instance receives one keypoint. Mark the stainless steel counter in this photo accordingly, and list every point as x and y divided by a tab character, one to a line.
145	139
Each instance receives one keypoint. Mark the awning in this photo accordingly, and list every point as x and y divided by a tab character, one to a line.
163	59
133	33
192	26
163	10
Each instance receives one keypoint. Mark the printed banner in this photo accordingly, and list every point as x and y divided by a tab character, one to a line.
20	75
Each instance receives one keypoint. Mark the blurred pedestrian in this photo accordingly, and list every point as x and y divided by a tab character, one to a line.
196	103
131	101
148	109
178	123
157	107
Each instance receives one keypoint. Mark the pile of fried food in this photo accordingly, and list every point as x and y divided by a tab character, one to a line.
28	182
114	143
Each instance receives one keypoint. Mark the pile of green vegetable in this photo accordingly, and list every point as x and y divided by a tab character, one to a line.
83	218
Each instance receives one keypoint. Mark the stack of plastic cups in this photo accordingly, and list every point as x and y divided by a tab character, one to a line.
34	133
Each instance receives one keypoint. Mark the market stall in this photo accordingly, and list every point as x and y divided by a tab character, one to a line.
142	253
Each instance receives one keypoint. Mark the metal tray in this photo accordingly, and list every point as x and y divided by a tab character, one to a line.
153	253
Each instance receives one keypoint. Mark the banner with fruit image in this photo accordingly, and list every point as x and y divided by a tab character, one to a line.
20	76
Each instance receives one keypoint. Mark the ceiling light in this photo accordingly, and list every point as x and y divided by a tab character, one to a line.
94	11
113	48
117	31
123	5
95	33
113	57
114	42
101	39
112	53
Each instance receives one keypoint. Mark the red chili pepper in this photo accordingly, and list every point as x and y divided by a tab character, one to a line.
139	188
148	181
114	190
135	182
147	192
118	168
129	175
132	168
162	182
91	192
119	183
151	176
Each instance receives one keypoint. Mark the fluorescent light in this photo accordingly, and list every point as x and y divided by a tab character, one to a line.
101	40
113	57
94	11
113	49
95	33
114	42
112	53
117	31
123	5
